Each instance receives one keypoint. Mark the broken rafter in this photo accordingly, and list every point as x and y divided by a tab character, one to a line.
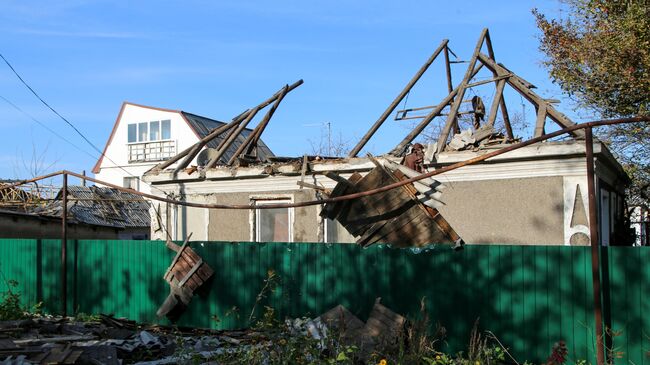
427	120
453	112
203	141
196	148
279	95
523	87
355	151
199	145
251	141
231	138
498	97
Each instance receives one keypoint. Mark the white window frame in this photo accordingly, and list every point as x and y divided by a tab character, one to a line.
326	223
267	200
148	134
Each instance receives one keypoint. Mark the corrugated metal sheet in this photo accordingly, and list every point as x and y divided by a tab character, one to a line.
529	296
102	206
203	126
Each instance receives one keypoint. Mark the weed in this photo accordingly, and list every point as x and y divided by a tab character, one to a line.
269	286
84	317
10	307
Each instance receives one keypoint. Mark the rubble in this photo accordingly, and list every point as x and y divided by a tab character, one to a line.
47	340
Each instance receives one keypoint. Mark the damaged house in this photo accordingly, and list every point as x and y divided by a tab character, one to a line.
93	213
534	195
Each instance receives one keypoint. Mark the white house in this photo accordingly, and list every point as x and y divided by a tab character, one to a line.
143	136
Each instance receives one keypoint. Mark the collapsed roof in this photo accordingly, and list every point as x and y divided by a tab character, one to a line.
101	206
227	145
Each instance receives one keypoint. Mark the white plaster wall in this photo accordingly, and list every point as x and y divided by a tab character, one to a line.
112	168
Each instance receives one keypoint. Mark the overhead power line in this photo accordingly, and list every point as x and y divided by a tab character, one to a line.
101	153
45	126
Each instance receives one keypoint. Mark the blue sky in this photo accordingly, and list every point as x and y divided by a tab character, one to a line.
218	58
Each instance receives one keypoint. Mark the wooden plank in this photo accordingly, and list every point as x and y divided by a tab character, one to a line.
520	85
392	232
332	210
541	119
178	254
190	273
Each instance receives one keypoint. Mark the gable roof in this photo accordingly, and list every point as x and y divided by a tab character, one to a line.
201	126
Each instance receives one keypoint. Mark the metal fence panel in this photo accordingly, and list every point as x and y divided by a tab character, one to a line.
529	296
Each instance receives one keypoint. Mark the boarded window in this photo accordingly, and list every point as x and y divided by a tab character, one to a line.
273	225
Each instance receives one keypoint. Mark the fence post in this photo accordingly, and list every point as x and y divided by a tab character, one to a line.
595	246
64	240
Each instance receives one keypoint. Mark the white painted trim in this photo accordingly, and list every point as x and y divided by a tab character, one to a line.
570	183
506	170
262	199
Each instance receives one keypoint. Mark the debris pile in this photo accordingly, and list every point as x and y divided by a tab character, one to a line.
383	327
105	339
481	137
109	340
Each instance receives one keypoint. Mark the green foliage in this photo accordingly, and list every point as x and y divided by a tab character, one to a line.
10	308
85	317
600	55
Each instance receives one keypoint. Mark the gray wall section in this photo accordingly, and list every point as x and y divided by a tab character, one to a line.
508	211
229	225
34	227
234	225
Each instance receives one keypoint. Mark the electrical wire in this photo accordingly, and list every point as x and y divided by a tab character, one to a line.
73	126
46	127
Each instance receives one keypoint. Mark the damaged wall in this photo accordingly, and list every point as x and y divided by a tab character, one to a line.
524	197
238	225
510	211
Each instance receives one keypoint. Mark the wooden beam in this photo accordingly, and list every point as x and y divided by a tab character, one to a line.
231	138
502	101
453	112
204	140
541	119
355	151
450	86
427	120
519	84
492	116
251	141
200	144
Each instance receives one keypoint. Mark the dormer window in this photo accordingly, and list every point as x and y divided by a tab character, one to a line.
150	141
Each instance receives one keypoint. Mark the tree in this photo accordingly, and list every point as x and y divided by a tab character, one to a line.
599	54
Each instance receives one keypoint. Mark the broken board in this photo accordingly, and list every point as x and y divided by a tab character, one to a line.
394	217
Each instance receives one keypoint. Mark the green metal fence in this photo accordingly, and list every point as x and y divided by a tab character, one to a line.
528	296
